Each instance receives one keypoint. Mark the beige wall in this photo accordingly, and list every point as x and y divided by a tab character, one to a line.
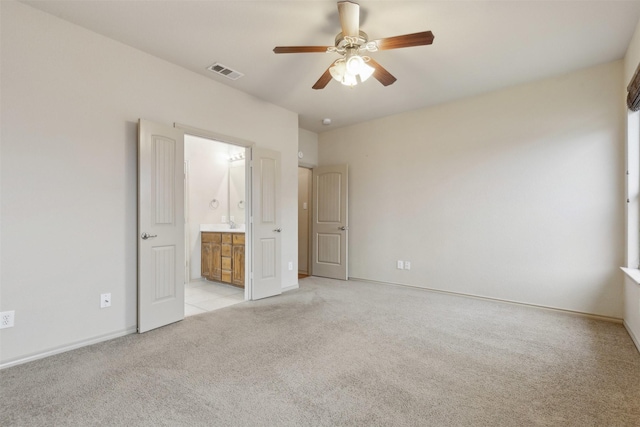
70	104
516	195
308	146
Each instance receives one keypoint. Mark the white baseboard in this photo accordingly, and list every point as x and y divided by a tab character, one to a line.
290	288
506	301
63	349
635	339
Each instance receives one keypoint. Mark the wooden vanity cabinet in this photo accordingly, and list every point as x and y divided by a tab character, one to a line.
237	256
211	256
223	257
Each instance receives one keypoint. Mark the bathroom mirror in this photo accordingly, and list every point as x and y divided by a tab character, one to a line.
237	191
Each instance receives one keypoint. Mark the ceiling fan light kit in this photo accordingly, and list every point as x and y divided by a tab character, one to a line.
353	67
352	70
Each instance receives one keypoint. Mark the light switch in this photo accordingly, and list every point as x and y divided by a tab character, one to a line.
304	205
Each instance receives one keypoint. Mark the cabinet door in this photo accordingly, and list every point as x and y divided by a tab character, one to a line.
206	266
238	265
211	252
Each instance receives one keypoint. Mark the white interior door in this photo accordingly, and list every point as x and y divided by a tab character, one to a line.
161	254
330	229
267	230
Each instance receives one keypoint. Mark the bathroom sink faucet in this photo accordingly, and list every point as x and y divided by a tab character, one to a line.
232	225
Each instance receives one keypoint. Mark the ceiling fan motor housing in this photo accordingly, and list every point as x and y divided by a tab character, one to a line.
343	42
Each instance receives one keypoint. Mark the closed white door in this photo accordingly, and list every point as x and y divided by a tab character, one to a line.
267	229
161	255
330	229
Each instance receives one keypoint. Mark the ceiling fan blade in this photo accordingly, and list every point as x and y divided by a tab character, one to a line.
300	49
380	74
408	40
323	80
349	18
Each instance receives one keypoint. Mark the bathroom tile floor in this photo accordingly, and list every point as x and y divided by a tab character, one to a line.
201	296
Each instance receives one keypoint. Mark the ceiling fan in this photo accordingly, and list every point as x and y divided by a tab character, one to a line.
353	67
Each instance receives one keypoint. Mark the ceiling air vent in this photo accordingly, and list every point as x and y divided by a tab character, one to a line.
223	70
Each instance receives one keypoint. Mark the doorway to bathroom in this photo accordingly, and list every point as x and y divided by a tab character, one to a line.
215	224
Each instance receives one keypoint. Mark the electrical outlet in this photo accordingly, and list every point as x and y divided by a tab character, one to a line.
290	265
7	319
407	265
105	300
223	219
400	265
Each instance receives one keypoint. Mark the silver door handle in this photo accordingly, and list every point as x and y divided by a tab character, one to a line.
277	230
343	228
146	236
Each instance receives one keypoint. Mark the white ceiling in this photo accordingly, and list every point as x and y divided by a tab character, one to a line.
479	46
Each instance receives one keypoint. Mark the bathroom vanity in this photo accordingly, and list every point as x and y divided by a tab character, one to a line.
223	256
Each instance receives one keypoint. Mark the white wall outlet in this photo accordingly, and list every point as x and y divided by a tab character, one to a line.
400	265
232	218
223	219
407	265
290	265
105	300
7	319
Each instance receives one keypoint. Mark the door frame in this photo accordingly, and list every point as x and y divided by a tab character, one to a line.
310	214
248	145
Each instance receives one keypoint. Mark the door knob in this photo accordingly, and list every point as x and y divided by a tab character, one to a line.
277	230
343	228
146	236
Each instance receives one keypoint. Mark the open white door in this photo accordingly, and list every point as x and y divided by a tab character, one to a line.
267	231
161	257
330	235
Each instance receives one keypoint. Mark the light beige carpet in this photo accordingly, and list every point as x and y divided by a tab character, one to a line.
342	353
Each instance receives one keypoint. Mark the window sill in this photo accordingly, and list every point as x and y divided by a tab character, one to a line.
632	273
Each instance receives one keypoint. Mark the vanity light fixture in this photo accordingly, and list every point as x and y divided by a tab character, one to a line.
237	156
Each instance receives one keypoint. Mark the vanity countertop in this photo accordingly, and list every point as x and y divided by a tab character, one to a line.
222	228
